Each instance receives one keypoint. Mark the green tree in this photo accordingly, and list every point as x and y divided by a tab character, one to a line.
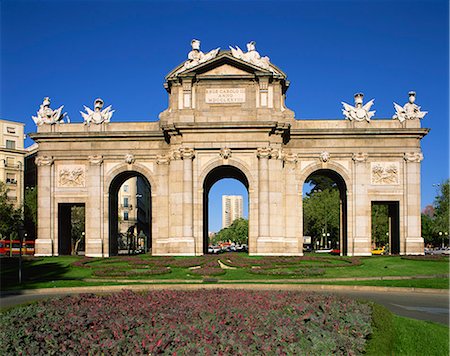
10	217
237	232
380	224
321	214
428	230
320	182
441	211
78	228
30	211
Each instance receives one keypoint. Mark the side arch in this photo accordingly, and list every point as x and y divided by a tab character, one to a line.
144	214
135	167
341	177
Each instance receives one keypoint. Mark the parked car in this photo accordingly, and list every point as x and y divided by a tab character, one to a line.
335	251
378	251
323	250
214	249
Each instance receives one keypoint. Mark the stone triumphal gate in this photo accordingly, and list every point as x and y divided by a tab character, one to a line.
227	118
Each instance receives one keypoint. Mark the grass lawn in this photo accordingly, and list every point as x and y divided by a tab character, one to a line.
72	271
395	335
417	337
437	283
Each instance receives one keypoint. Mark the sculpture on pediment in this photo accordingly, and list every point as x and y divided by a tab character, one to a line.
410	111
359	112
46	115
97	116
251	56
195	56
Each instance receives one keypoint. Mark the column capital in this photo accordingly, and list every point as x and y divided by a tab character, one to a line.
187	153
264	152
413	157
360	157
290	158
43	160
162	159
95	160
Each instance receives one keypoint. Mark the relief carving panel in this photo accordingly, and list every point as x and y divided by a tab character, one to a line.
71	176
384	172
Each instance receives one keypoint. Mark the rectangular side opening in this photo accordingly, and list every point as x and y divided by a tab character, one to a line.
385	227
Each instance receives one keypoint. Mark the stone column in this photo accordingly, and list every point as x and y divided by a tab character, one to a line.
187	155
413	243
162	202
94	238
359	209
264	216
45	244
292	201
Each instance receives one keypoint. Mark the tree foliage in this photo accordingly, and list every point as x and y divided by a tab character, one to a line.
380	224
438	222
237	232
320	183
10	217
321	214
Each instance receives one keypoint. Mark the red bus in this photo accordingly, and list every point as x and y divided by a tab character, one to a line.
12	248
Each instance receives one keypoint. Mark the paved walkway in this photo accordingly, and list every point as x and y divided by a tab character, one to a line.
419	303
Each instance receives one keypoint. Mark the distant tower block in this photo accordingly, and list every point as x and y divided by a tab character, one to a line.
232	209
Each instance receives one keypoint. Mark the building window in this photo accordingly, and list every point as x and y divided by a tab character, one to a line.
125	202
10	144
11	178
125	188
10	161
11	130
125	215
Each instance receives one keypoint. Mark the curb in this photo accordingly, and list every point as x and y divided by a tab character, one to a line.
253	286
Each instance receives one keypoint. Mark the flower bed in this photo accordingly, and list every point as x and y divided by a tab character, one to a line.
188	322
132	272
297	272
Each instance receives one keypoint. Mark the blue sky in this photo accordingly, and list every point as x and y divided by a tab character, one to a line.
76	51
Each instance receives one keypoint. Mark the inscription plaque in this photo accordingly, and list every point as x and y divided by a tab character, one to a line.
225	96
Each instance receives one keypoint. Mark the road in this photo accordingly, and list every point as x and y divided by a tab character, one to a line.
430	306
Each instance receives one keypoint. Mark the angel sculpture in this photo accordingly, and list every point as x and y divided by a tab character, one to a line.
359	112
46	115
195	57
251	56
97	116
409	111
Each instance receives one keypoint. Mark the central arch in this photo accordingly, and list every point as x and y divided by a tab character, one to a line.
143	206
216	174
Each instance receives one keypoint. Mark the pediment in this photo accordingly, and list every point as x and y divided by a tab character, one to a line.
225	69
223	65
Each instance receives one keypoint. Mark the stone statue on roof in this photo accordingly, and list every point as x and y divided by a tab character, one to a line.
359	112
252	56
46	115
196	57
410	111
97	116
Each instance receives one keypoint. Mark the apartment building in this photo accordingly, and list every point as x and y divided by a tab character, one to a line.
232	209
12	159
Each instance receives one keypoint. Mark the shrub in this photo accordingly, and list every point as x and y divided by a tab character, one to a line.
188	322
